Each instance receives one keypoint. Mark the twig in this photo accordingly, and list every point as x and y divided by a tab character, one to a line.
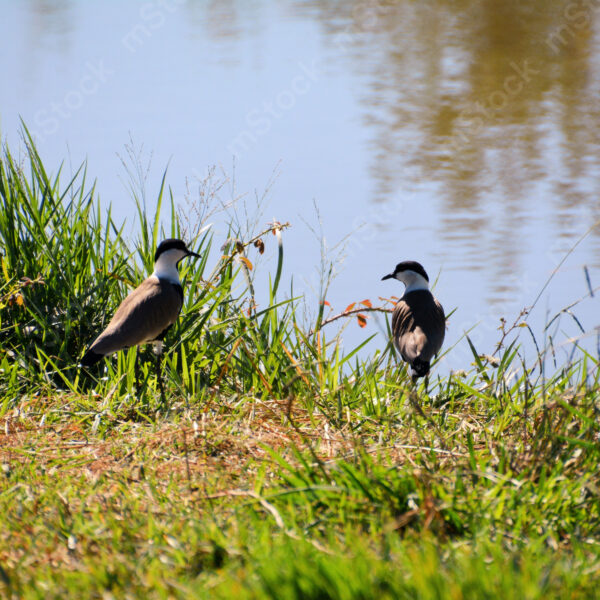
273	228
506	332
350	313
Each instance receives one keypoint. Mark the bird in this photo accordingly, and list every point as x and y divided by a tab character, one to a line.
149	311
418	320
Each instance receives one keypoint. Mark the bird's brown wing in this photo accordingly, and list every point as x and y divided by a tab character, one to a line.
146	313
418	326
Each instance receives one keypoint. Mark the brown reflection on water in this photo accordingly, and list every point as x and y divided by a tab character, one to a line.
51	19
498	102
49	24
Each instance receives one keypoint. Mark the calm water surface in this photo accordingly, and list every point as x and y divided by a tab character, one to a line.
465	135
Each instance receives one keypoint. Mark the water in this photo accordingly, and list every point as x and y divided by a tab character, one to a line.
461	134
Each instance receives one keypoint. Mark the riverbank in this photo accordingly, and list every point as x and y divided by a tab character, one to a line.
276	466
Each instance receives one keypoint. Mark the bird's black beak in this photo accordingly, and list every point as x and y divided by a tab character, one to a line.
389	276
190	253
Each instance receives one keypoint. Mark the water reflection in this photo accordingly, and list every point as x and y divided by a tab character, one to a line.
495	101
51	21
485	112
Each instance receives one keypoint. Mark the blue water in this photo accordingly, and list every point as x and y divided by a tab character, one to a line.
399	122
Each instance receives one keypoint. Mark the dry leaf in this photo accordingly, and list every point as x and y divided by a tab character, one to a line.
367	303
325	303
260	245
350	307
246	262
16	299
239	246
362	320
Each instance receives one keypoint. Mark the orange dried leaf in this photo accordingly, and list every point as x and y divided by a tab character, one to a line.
367	303
362	320
246	262
350	307
325	303
16	299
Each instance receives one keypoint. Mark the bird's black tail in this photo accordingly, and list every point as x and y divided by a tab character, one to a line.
420	368
91	358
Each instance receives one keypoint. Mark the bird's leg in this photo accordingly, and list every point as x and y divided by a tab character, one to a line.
159	377
158	351
412	396
137	369
417	411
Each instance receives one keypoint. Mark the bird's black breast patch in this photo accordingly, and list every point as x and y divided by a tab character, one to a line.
179	290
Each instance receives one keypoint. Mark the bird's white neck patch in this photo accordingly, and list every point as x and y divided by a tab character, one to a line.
413	281
166	266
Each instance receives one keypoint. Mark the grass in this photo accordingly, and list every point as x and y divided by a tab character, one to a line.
278	467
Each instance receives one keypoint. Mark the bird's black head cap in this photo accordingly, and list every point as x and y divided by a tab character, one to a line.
170	244
411	265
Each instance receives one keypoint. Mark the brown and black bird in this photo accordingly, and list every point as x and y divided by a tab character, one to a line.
418	321
149	311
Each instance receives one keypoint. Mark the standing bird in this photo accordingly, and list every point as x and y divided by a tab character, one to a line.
149	311
418	321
